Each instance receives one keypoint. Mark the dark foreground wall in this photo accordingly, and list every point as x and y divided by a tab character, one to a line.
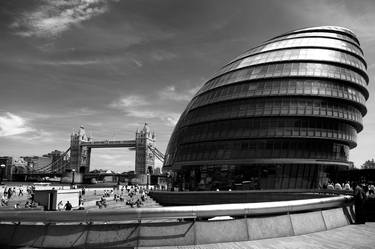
171	233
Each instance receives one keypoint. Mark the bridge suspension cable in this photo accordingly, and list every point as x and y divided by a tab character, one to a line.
156	153
56	166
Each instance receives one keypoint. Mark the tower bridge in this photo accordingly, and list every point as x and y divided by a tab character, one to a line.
77	157
143	144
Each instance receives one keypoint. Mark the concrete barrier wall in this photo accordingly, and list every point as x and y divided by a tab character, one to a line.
270	227
171	233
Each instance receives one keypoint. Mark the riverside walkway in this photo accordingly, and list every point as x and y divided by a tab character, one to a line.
347	237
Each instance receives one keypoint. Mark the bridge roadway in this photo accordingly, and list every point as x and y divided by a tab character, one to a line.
347	237
109	144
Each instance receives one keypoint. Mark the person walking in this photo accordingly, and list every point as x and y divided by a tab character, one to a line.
359	202
60	206
68	206
10	192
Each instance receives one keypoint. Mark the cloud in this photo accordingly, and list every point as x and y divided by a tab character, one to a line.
119	160
161	55
70	62
357	16
170	118
11	124
39	136
170	93
138	107
129	101
53	17
81	112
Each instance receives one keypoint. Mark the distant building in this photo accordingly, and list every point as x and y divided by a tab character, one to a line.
37	162
7	161
59	164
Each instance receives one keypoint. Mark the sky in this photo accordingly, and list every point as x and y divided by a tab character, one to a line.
112	65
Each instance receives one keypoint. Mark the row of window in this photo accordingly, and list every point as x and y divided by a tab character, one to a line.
255	176
316	54
304	42
272	107
296	69
266	127
317	34
247	89
335	29
232	150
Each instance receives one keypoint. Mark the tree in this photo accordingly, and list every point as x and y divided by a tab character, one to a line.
369	164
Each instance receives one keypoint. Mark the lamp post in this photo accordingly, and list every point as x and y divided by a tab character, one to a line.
73	171
2	166
147	180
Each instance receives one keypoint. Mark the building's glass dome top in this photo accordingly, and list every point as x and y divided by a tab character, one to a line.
297	98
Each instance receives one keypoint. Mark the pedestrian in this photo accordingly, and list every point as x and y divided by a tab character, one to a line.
359	202
4	200
10	192
20	193
338	186
60	206
371	190
27	204
347	186
330	186
81	206
68	206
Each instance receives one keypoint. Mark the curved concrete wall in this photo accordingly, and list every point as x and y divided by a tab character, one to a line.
172	233
169	198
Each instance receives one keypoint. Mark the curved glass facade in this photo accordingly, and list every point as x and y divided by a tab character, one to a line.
281	115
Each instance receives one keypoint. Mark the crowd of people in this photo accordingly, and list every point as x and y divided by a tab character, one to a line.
132	195
368	188
362	192
17	193
22	196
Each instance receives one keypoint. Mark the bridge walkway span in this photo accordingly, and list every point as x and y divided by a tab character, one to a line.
109	144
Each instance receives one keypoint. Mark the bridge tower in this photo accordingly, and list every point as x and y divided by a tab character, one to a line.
79	155
144	158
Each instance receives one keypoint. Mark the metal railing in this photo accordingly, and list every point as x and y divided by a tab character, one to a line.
203	211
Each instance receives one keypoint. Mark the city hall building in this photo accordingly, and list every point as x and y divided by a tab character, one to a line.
282	115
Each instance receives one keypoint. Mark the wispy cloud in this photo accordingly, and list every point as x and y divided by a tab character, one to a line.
18	128
138	107
129	101
70	62
35	136
80	112
171	93
113	159
53	17
354	15
11	124
162	55
170	118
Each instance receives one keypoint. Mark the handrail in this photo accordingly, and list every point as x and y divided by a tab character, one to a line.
121	215
265	191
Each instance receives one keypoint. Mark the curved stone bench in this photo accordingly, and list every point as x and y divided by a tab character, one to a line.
133	227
